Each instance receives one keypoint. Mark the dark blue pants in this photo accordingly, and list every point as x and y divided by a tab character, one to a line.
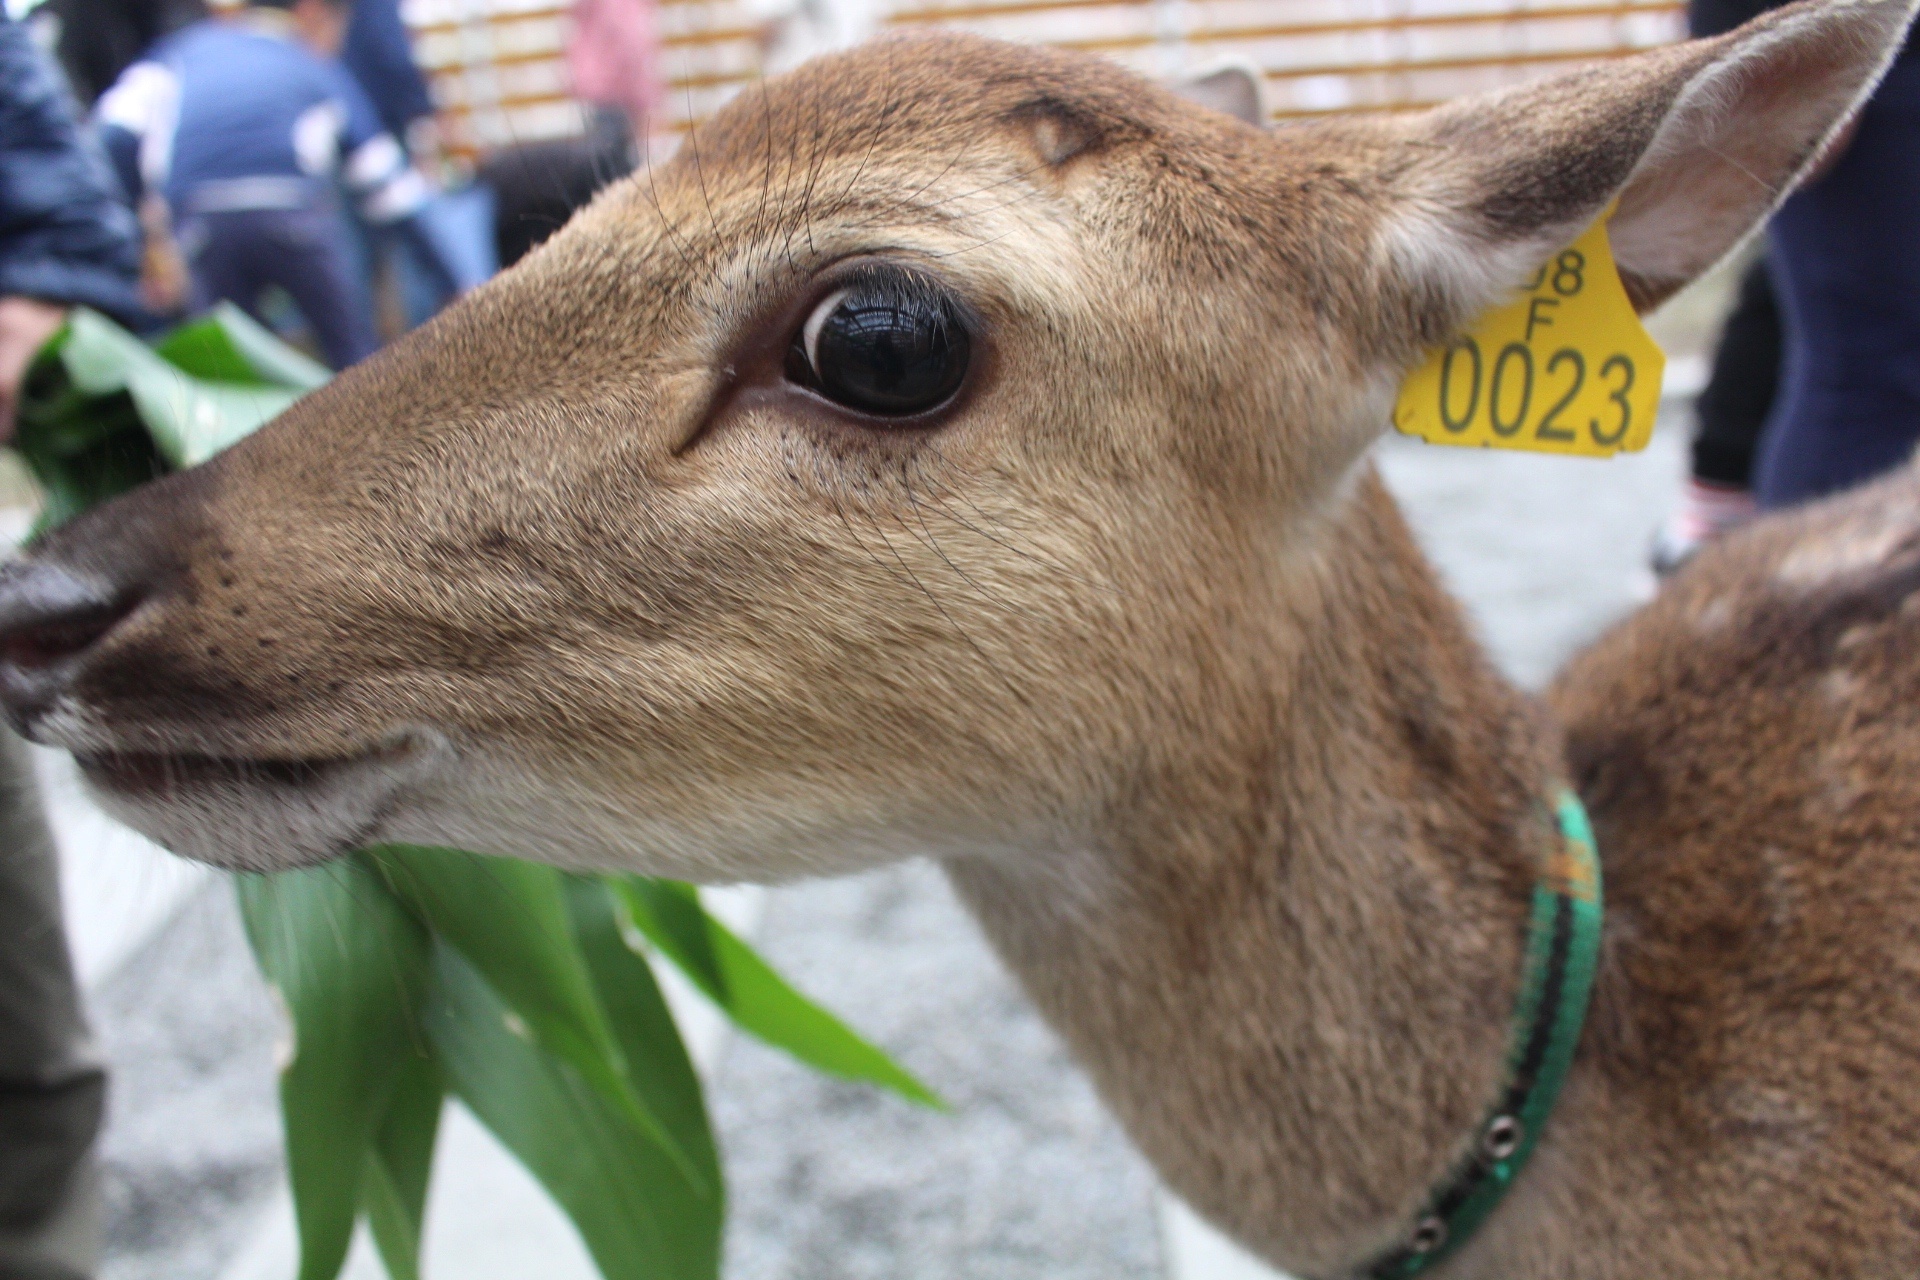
1845	256
235	256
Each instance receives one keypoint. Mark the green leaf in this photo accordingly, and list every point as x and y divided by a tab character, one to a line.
672	910
270	359
100	356
70	485
636	1211
393	1190
228	345
762	1002
510	920
72	432
190	419
351	966
202	349
657	1061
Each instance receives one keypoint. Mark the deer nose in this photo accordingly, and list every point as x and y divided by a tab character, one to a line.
50	615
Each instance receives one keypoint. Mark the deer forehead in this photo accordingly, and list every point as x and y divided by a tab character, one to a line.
1052	185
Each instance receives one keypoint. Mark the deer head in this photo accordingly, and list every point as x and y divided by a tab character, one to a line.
931	457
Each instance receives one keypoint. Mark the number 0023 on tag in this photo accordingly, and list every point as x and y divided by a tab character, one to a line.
1565	368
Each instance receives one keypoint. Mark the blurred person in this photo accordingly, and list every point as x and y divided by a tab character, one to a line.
378	53
1816	380
65	240
612	64
612	59
1844	253
538	185
243	125
96	40
1733	407
1729	416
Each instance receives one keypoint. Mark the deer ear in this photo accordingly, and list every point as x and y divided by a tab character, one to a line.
1233	87
1694	144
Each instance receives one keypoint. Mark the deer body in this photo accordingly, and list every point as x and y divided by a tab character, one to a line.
1075	577
1748	1026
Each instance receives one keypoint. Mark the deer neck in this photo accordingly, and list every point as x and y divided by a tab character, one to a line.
1291	967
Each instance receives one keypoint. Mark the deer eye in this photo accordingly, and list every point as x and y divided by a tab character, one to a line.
891	346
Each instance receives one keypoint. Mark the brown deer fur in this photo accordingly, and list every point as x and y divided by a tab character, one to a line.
1132	639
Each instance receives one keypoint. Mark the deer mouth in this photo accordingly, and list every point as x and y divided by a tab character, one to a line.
259	814
148	773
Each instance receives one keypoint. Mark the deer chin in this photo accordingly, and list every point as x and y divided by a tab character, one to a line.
253	814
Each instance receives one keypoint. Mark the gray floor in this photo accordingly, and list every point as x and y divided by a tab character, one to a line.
1026	1179
192	1149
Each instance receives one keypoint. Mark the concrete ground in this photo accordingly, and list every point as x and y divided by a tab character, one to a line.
1026	1178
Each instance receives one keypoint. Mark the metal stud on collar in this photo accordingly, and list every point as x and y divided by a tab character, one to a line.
1428	1234
1502	1138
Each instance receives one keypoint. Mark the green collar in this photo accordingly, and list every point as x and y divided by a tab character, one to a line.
1563	949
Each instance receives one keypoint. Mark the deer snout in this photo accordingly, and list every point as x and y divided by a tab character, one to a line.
54	616
51	615
49	612
64	602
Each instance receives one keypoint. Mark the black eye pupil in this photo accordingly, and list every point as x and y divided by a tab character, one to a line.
891	349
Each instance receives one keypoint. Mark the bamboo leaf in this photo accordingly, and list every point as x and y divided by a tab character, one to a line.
228	345
394	1190
672	910
510	920
636	1211
189	419
351	966
760	1001
657	1061
202	349
270	359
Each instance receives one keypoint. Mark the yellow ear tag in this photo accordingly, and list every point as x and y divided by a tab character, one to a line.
1564	368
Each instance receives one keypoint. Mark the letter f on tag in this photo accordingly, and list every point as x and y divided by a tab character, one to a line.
1537	318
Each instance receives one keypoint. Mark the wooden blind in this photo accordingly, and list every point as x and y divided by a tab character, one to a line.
1326	56
498	68
499	73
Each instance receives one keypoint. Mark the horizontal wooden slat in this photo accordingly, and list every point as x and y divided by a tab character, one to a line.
717	35
1445	51
1308	30
555	54
979	12
1367	108
1425	21
1410	66
712	80
972	13
509	102
713	35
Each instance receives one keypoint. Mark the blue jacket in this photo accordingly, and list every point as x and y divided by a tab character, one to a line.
234	114
379	53
65	234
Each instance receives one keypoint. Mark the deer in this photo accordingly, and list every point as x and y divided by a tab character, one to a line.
961	450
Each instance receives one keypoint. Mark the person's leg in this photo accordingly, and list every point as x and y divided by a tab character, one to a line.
313	262
219	253
1846	259
460	223
1733	406
52	1087
1729	416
